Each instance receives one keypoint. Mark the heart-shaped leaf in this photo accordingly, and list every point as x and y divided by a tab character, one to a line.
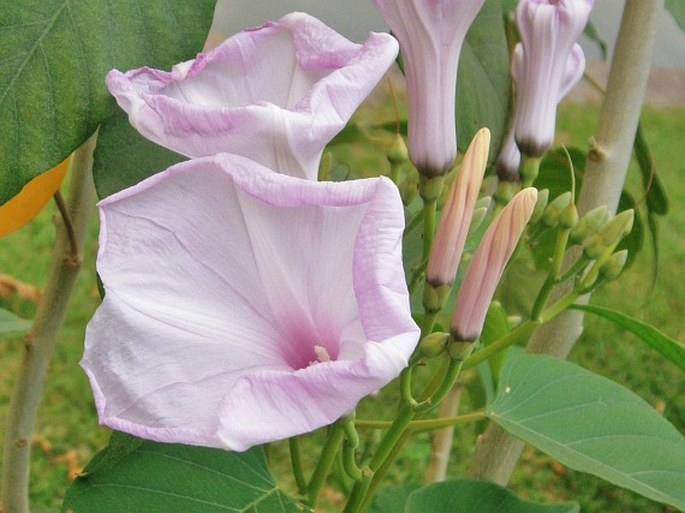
134	476
55	54
591	424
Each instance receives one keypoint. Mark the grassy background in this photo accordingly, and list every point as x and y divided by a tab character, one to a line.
67	434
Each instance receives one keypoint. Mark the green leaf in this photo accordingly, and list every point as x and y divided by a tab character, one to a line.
656	198
591	32
670	348
123	157
591	424
677	8
120	446
10	323
469	496
484	82
392	499
132	476
55	54
496	326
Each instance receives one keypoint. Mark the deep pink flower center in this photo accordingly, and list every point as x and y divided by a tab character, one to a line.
305	345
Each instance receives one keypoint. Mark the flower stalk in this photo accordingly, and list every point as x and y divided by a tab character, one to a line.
325	463
39	342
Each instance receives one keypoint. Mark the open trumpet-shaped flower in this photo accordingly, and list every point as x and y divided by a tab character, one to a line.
244	306
488	263
549	60
431	34
276	94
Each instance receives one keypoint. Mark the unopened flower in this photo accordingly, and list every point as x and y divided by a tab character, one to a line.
455	219
276	94
431	34
545	67
487	265
244	306
509	158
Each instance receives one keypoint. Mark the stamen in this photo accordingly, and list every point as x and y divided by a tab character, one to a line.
321	355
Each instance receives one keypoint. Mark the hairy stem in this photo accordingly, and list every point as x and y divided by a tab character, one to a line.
496	452
40	340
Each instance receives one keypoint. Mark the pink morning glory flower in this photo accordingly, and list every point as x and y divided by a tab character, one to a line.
549	29
431	34
244	306
488	263
276	94
509	157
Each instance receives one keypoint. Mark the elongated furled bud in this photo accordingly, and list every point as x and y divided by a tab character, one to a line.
545	66
479	213
431	34
487	265
457	213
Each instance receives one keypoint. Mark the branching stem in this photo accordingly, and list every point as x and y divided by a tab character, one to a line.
40	340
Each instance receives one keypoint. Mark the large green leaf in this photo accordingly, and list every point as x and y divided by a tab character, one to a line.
55	54
392	499
677	8
463	496
123	157
134	476
591	424
484	82
10	323
670	348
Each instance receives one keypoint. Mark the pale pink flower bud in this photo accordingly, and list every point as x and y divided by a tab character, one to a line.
547	65
431	34
455	220
509	159
487	265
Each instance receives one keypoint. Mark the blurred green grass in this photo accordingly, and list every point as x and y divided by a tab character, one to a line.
67	430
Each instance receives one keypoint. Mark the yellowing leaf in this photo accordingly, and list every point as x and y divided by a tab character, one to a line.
26	205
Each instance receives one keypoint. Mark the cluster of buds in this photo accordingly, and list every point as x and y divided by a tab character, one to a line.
597	232
460	213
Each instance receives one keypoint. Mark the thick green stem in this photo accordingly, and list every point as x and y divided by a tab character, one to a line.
40	341
430	209
326	460
296	462
497	452
397	435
